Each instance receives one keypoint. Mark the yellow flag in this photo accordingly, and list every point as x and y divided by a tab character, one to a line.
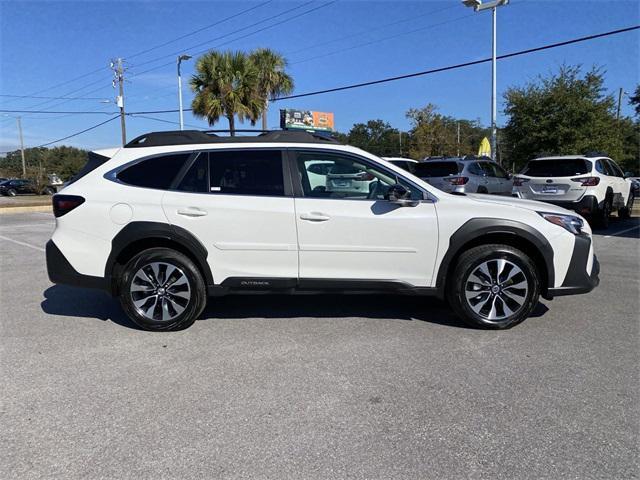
485	148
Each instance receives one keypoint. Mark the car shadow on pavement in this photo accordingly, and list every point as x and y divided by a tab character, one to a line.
86	303
620	228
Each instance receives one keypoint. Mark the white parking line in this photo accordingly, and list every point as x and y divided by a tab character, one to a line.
621	232
18	242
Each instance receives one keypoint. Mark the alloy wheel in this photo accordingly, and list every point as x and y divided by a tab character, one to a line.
160	291
496	289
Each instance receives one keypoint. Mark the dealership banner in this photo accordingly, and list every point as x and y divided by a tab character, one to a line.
306	120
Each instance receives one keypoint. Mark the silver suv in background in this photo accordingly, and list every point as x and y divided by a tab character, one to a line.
465	175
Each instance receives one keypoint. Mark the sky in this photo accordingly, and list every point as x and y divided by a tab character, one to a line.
63	49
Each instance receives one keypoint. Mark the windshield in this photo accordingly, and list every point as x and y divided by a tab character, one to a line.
436	169
557	167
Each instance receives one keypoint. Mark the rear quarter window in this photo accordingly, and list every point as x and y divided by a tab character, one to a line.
436	169
557	167
156	172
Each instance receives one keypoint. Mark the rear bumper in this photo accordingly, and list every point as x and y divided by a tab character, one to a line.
60	271
587	205
578	280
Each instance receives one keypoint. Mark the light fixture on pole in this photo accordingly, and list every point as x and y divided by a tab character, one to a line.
478	6
179	61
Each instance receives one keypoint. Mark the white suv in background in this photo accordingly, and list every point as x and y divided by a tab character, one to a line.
593	186
175	217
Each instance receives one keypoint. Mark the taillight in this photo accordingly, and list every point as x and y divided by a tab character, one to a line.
63	204
519	181
587	181
457	180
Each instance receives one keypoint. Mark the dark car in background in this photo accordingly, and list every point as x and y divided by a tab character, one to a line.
20	186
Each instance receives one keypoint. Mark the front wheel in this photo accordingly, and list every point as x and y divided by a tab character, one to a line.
12	192
494	286
162	289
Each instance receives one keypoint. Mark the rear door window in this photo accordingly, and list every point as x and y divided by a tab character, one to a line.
557	167
436	169
155	172
246	172
615	170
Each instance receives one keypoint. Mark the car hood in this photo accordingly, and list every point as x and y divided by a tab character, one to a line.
520	203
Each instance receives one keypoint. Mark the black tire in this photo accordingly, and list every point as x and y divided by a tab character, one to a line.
12	192
625	212
48	191
170	297
502	300
482	190
603	214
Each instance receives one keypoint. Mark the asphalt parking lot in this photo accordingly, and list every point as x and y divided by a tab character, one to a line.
316	387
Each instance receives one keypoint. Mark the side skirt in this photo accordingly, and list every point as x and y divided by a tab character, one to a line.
294	286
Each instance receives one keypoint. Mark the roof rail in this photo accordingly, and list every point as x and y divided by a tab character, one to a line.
187	137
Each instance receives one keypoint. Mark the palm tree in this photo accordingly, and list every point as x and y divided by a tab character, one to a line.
272	79
226	84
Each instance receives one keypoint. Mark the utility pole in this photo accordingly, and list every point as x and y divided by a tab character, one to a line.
24	163
118	77
400	141
620	93
458	125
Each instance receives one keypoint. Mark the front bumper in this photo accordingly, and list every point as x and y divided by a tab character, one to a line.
577	279
61	271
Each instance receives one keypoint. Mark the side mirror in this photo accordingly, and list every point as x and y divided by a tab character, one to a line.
399	195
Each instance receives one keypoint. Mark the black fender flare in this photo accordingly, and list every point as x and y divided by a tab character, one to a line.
478	227
136	231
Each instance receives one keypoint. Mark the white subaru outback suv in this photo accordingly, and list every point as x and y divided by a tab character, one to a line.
593	186
175	217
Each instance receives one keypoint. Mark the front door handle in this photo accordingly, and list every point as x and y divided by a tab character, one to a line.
191	212
314	217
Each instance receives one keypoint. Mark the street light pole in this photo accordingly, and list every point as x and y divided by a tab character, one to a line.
179	61
494	106
479	6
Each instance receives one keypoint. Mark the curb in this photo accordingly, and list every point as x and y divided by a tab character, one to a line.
35	208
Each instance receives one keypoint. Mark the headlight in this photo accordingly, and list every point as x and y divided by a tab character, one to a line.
571	223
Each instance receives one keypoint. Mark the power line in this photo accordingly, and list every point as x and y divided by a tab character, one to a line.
459	65
372	42
72	135
51	98
238	38
77	112
198	30
144	51
162	120
389	79
370	30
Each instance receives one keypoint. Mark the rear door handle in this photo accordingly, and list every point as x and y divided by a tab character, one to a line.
314	217
191	212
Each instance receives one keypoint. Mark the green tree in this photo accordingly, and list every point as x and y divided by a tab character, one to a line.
433	134
272	80
377	137
562	114
226	85
634	100
64	161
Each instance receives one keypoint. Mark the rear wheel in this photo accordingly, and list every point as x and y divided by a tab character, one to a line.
494	286
12	192
48	191
482	190
602	216
162	289
625	212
